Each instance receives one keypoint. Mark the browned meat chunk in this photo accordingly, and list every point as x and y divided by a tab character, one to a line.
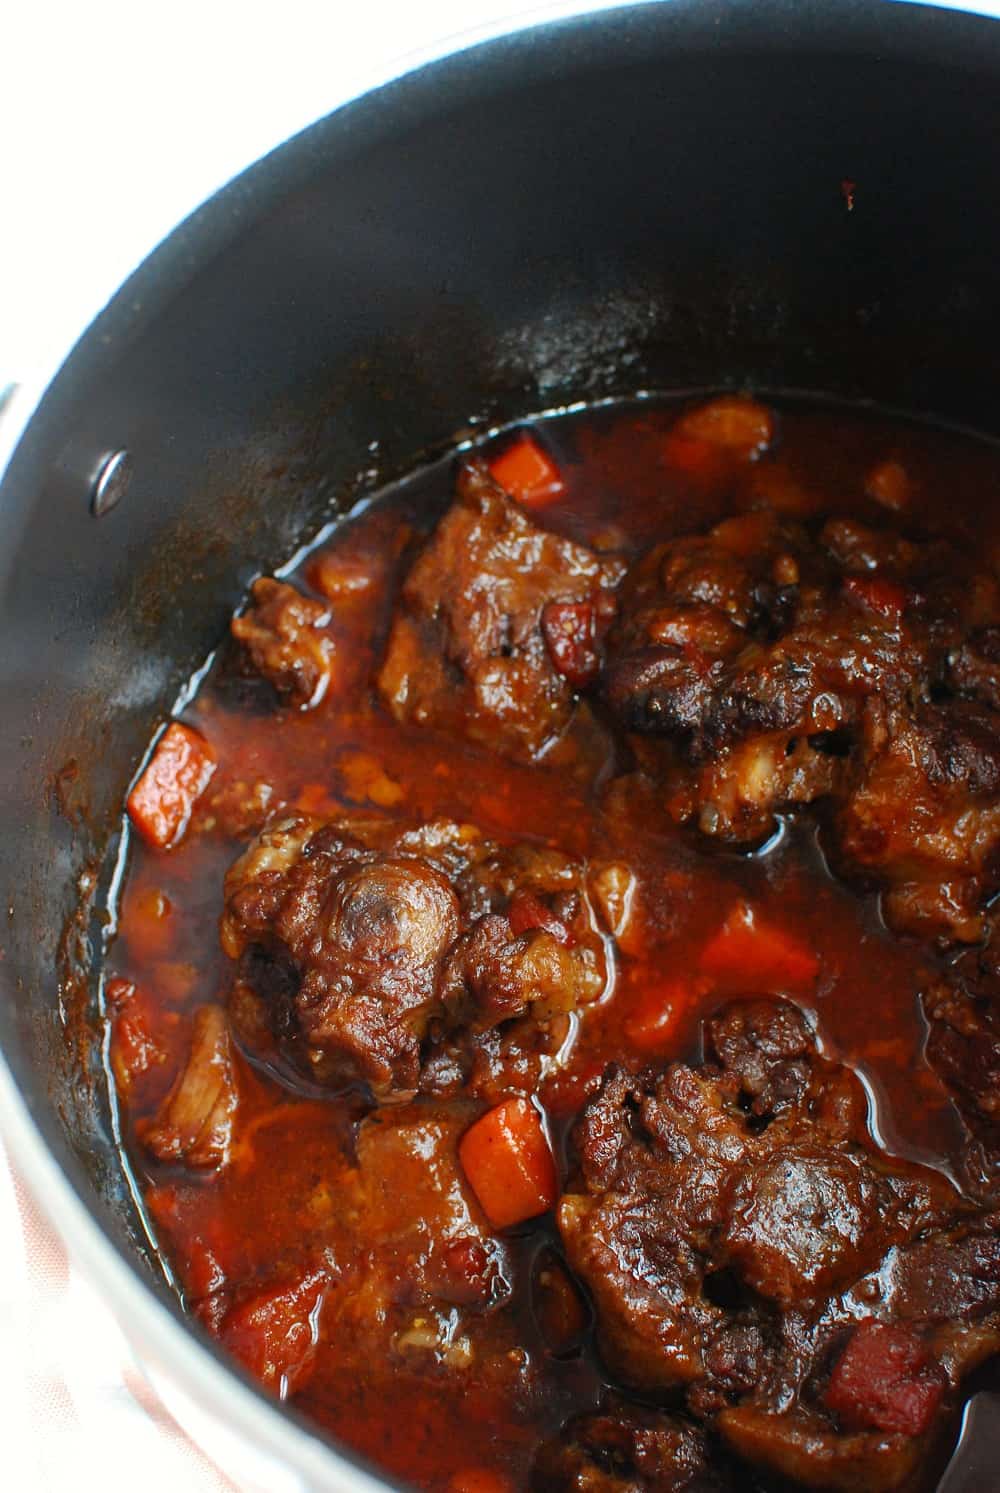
769	1047
282	633
754	648
628	1449
737	794
374	951
923	814
746	630
497	624
806	1450
963	1044
763	667
751	652
423	1277
974	668
733	1224
194	1124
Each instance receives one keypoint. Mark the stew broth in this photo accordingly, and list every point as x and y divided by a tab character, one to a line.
441	1394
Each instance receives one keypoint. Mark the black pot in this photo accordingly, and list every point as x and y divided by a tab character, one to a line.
782	194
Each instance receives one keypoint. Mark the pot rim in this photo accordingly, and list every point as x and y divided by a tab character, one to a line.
169	1344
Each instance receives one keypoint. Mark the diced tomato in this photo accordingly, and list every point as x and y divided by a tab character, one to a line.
569	630
204	1247
885	1379
527	912
659	1009
276	1333
135	1048
148	922
738	425
757	956
509	1164
528	473
178	773
878	594
572	630
469	1272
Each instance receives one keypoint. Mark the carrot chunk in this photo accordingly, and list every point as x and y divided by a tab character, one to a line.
509	1164
756	955
178	773
528	473
738	425
885	1380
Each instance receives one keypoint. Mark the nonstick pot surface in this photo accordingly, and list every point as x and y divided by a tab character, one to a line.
652	197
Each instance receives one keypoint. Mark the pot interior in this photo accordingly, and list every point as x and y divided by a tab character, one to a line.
661	197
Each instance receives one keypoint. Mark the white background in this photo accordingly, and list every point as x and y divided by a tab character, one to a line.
116	119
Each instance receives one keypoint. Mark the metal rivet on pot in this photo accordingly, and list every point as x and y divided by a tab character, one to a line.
111	483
